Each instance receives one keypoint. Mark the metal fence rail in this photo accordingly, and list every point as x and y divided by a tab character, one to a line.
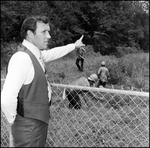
107	118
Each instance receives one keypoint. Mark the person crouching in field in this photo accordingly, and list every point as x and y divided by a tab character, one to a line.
73	95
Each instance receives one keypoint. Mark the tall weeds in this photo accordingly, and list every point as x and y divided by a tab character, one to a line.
130	70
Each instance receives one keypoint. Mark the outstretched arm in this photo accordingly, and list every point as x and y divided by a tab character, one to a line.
58	52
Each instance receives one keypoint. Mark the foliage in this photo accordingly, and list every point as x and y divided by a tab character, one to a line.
121	50
107	26
8	50
129	70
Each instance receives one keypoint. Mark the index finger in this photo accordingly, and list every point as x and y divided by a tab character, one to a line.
81	37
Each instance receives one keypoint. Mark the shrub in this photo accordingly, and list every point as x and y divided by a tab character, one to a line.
130	70
116	74
7	50
121	50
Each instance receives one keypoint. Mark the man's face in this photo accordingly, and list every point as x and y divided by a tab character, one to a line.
41	36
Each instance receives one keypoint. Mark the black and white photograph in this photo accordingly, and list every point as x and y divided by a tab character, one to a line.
74	73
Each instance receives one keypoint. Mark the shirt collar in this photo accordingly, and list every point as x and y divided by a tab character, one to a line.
32	48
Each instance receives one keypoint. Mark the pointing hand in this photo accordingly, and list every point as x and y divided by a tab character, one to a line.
81	38
79	43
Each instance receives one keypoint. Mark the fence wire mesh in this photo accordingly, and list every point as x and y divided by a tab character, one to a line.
94	117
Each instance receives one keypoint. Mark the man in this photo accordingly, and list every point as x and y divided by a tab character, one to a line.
80	58
26	94
103	75
73	96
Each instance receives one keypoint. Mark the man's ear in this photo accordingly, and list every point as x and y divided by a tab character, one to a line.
30	33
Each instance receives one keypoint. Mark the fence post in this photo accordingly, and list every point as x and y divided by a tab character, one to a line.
10	138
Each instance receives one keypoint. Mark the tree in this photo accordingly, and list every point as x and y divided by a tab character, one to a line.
105	24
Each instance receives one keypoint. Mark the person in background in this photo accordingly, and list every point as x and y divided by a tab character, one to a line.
103	75
26	93
80	58
73	95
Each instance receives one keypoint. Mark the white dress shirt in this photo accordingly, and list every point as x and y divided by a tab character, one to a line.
21	71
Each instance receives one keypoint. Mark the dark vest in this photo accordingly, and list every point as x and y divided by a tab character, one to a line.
33	98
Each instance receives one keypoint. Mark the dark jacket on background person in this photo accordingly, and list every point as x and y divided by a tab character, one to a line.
80	53
80	58
73	95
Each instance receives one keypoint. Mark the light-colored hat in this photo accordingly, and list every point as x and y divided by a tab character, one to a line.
93	77
103	63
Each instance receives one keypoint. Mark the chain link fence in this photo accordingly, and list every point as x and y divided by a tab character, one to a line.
100	118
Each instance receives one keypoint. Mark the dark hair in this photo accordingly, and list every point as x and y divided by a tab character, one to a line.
30	24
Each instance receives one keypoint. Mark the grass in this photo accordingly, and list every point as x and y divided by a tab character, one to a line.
129	70
104	123
100	124
113	122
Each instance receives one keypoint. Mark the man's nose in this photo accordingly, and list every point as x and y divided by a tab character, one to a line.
48	35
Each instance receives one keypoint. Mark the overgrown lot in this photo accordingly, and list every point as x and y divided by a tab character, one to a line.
114	121
129	70
117	120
